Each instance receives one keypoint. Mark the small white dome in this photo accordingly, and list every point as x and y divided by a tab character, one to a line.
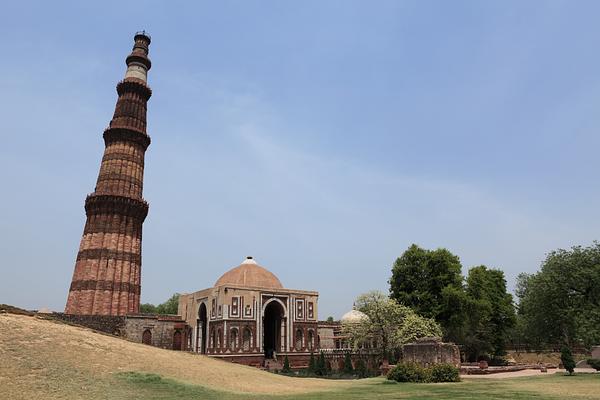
354	316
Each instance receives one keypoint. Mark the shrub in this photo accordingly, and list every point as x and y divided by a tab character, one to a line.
567	360
348	363
408	372
312	365
498	362
361	368
286	365
594	363
328	368
444	373
321	367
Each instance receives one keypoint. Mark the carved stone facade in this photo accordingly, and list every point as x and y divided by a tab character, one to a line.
106	279
249	317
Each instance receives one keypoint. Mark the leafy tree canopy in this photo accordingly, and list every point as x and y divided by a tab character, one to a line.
168	307
561	302
490	313
429	282
388	324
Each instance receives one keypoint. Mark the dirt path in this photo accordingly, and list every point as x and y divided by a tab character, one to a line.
525	372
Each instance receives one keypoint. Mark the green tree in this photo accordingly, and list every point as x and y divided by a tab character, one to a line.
387	325
330	319
491	313
168	307
348	369
286	365
361	368
566	357
561	302
321	368
430	282
148	308
312	365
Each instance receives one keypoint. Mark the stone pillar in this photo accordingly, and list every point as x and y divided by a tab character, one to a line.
107	275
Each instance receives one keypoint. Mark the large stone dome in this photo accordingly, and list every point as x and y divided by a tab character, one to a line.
250	274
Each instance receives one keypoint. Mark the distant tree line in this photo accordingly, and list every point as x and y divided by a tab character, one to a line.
558	306
168	307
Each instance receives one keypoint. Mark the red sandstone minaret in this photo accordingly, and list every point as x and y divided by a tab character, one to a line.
106	279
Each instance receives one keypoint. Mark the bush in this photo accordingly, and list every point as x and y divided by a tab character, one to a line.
312	364
567	360
361	368
321	367
348	363
444	373
408	372
286	365
594	363
498	362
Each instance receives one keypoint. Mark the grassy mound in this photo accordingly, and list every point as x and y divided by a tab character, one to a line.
48	360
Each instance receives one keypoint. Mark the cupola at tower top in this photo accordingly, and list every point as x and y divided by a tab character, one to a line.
138	62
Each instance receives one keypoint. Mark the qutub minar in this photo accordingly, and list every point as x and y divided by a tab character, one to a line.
106	280
246	317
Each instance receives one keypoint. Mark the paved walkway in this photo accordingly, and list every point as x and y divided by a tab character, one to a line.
525	372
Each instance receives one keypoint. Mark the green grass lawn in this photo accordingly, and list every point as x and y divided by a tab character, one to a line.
134	385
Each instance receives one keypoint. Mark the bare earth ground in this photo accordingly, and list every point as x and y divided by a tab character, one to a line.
542	357
44	357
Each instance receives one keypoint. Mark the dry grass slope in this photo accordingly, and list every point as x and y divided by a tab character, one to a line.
40	357
50	360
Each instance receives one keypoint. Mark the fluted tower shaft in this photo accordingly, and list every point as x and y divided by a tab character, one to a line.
106	280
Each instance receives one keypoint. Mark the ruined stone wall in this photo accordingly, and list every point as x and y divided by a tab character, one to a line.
426	353
103	323
162	331
326	331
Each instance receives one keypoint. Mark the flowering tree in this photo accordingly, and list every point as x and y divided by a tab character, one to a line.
387	325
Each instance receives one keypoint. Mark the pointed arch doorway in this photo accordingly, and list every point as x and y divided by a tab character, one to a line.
272	324
201	330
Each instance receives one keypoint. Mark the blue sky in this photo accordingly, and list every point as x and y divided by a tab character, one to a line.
321	137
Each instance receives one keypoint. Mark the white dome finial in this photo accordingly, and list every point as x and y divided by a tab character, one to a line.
249	260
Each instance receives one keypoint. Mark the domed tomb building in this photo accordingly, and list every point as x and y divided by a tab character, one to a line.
248	317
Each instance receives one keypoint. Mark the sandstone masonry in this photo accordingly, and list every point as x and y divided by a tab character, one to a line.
107	275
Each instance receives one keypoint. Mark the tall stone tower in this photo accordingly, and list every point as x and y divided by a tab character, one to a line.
106	280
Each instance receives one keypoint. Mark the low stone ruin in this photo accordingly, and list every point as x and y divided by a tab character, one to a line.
431	350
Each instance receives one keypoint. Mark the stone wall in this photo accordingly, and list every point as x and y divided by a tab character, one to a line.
326	334
429	351
160	331
165	331
103	323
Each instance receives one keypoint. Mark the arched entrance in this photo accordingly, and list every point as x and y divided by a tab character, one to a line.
273	316
177	340
147	337
201	330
